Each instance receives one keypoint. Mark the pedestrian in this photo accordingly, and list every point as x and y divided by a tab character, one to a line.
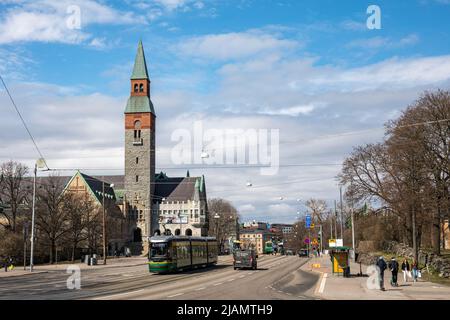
393	266
381	264
415	270
405	270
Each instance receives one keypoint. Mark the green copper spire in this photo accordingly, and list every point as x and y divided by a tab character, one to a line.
140	66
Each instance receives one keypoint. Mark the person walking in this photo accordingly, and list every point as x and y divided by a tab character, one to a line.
415	270
393	266
405	270
381	264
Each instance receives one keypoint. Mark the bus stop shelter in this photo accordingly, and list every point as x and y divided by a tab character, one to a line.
340	263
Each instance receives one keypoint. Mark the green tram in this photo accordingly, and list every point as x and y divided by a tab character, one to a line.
268	247
178	253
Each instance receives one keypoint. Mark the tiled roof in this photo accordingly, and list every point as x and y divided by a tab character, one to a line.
140	66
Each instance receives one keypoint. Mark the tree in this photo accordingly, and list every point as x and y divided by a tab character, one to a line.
13	193
408	173
51	218
223	220
77	208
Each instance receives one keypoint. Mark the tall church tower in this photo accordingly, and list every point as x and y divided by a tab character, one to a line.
140	154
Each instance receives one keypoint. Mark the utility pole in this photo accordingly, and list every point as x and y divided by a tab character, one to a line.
32	218
335	219
104	221
321	236
342	214
25	236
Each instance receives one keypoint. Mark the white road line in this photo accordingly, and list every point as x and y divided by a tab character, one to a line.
242	277
322	283
119	294
217	284
230	280
202	288
175	295
250	273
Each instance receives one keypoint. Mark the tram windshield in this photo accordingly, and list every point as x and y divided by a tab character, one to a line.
159	249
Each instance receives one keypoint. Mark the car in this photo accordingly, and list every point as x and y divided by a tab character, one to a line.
245	259
303	253
289	253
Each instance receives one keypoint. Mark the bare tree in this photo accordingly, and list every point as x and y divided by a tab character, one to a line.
51	218
223	220
12	191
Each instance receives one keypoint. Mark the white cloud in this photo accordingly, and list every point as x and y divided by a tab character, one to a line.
47	21
384	42
234	45
291	111
246	208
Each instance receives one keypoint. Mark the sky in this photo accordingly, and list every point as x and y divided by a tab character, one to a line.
312	70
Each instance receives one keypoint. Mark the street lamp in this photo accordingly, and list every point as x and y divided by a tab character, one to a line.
104	220
40	163
217	217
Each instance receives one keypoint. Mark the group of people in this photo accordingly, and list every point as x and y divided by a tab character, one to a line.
409	271
8	263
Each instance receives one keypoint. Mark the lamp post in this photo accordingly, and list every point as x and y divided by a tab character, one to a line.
40	163
217	217
104	220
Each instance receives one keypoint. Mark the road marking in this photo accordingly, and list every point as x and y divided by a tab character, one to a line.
119	294
230	280
175	295
202	288
322	283
250	273
242	277
217	284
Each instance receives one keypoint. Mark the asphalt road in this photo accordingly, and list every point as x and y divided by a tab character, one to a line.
277	277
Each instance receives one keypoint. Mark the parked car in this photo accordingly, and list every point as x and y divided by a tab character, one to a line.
289	253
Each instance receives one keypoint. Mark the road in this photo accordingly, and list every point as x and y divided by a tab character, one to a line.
277	277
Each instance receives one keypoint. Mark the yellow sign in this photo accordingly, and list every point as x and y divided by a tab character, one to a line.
312	226
332	243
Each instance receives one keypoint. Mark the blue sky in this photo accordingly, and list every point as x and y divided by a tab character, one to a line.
308	68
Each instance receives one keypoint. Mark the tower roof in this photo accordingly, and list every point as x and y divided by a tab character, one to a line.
140	66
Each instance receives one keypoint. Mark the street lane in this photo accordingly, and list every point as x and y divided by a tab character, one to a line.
135	282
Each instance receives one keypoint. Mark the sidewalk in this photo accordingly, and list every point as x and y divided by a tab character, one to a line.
334	287
111	263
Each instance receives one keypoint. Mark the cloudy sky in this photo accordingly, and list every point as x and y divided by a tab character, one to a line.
311	69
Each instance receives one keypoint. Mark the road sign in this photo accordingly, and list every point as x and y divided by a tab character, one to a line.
332	243
308	221
312	226
307	240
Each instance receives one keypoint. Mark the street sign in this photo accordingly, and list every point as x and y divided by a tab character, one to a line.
308	221
307	240
332	243
312	226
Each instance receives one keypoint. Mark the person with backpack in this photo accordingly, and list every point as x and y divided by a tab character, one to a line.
393	266
381	264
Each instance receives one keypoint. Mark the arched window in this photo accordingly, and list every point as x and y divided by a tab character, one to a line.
137	130
177	232
141	87
188	232
135	87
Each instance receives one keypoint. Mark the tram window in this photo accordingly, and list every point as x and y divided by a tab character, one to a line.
159	249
